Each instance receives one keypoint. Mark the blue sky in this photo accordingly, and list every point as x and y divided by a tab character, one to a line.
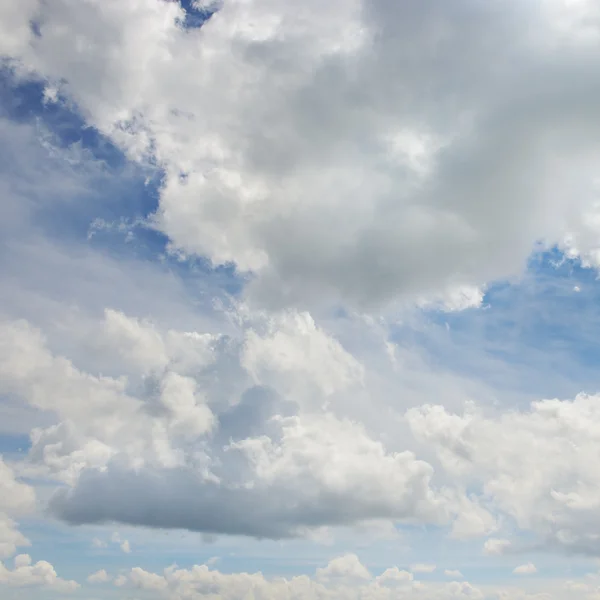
327	351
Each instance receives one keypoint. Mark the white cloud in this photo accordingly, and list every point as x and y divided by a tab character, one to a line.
534	466
266	444
42	574
495	546
348	567
453	573
16	498
344	578
447	172
455	299
394	576
422	568
124	545
390	151
296	352
526	569
99	577
10	537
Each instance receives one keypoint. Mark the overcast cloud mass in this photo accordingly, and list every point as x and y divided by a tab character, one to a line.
298	300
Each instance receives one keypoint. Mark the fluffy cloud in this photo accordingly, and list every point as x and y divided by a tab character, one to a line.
495	546
41	574
99	577
220	421
535	466
344	578
180	453
313	473
15	499
454	573
355	153
526	569
10	537
380	150
18	499
393	576
347	567
422	568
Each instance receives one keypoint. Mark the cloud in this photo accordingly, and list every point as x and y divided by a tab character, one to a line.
495	546
393	576
348	567
344	578
10	537
336	173
453	573
356	154
527	569
26	573
422	568
16	498
178	454
99	577
534	466
355	483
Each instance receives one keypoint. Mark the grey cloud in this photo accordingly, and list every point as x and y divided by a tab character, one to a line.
288	148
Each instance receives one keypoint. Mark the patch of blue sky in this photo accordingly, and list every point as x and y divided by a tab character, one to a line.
14	445
119	195
195	14
127	192
539	335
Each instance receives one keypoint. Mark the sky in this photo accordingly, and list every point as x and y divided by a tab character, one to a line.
299	301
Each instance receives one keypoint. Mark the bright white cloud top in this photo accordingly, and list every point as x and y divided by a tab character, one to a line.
308	287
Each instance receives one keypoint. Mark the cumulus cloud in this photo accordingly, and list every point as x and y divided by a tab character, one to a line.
336	171
526	569
222	421
178	454
10	537
356	153
348	567
99	577
453	573
334	474
25	573
16	498
495	546
394	576
344	578
534	466
422	568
